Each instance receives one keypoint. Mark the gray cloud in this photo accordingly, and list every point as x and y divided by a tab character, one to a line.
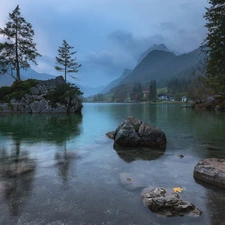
109	35
132	45
168	26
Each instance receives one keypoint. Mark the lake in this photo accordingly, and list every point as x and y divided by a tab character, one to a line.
76	175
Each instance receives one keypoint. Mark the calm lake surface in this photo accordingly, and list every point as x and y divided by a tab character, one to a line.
76	179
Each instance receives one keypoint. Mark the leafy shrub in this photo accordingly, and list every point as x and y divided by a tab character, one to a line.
17	90
63	94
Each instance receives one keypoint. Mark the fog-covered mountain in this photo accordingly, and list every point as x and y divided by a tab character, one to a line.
162	66
160	47
127	72
114	83
7	80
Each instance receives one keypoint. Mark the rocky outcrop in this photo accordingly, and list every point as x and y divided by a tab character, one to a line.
134	132
211	170
36	102
216	102
168	204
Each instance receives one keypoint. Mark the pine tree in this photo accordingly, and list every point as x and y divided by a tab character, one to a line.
65	62
152	91
214	46
18	49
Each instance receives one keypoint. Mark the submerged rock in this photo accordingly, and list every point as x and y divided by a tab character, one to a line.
5	189
131	181
102	140
110	134
168	204
16	169
211	170
134	132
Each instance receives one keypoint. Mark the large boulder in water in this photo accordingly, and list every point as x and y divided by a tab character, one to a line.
136	133
211	170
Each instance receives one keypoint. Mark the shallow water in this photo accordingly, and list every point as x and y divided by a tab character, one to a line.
76	179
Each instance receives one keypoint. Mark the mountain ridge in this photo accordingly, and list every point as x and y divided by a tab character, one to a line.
162	66
115	82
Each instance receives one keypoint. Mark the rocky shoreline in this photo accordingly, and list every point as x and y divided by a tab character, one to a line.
135	133
216	103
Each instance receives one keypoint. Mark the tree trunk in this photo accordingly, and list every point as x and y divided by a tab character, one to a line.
65	69
17	57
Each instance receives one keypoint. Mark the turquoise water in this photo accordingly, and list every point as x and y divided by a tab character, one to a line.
76	176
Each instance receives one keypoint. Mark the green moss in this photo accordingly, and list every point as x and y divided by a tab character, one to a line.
137	128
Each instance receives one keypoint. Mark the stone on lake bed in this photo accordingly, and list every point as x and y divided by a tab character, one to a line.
67	155
110	134
5	189
102	140
159	201
134	132
17	169
212	171
131	181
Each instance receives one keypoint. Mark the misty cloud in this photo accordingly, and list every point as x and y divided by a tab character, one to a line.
109	35
168	26
105	58
134	46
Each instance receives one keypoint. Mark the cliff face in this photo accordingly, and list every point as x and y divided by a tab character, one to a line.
36	102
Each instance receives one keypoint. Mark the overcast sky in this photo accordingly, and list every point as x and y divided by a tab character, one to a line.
109	35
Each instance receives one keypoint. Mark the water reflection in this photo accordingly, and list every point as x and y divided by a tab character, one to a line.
17	172
214	201
132	154
64	160
37	128
46	194
19	163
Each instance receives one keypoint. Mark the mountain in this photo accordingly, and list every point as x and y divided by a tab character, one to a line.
162	66
7	80
114	83
29	73
160	47
90	91
126	72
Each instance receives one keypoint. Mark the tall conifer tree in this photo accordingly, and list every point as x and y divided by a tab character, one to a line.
18	49
152	91
214	45
65	62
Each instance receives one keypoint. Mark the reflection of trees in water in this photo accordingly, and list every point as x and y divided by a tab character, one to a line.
63	164
135	153
35	128
64	160
55	129
18	170
21	191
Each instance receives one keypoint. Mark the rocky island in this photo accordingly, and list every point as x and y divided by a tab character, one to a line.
36	96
